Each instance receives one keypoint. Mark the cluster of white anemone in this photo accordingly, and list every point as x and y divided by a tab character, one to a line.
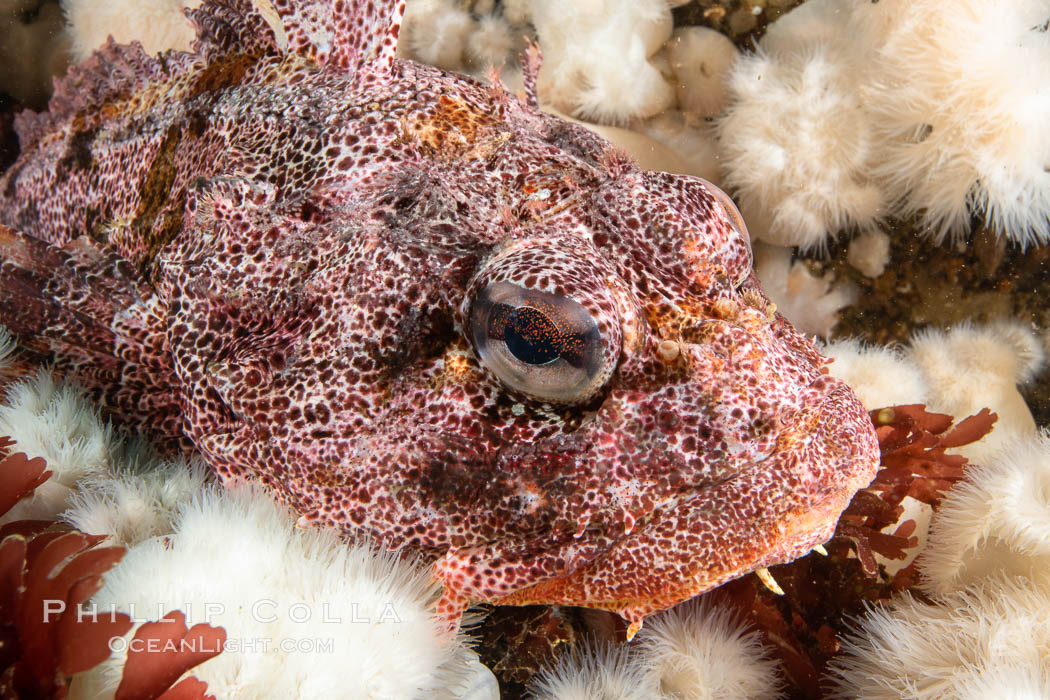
694	651
985	631
851	111
985	561
305	615
957	371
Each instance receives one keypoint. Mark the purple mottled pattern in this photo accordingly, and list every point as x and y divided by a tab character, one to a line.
270	248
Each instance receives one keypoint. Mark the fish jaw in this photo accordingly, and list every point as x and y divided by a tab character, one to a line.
771	514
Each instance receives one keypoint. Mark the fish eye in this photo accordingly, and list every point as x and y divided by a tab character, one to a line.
544	345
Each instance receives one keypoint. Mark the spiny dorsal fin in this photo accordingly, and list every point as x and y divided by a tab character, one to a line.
227	26
117	71
113	72
348	34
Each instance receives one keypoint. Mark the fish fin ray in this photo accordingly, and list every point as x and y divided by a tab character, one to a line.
347	34
236	26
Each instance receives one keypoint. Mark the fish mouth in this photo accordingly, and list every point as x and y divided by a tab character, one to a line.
849	448
837	450
758	518
777	510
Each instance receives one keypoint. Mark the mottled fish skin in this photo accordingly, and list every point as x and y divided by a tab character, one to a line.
272	247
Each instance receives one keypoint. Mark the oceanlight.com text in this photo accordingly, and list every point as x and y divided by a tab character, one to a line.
233	645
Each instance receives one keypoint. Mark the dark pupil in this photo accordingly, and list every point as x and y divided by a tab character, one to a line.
530	336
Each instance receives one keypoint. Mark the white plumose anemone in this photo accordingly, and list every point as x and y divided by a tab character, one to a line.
597	58
492	44
132	504
694	651
436	32
796	146
236	560
970	367
997	633
961	106
53	419
596	672
700	59
811	23
880	376
8	348
995	522
699	652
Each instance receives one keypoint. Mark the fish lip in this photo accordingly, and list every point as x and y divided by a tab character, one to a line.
854	441
822	415
801	525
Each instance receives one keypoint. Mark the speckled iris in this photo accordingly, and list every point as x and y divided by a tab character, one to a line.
544	345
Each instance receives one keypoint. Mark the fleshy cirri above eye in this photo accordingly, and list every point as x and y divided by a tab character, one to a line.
738	266
543	345
736	220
